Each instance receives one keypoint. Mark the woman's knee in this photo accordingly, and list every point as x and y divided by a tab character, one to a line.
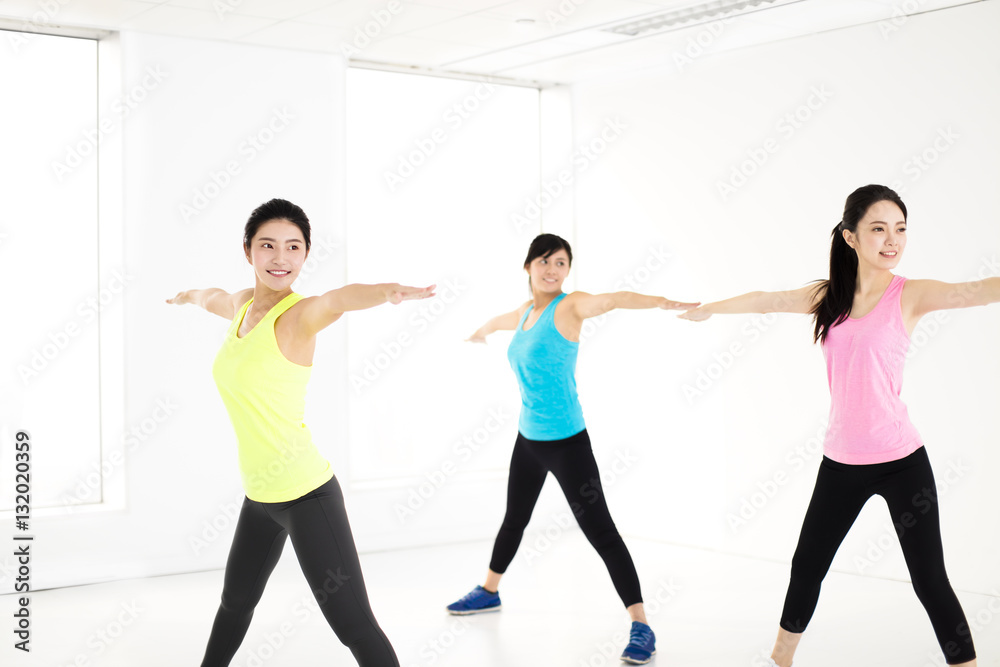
932	585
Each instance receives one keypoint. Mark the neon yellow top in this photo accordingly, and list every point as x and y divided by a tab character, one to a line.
265	395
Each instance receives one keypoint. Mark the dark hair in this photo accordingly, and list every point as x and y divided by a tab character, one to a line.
838	297
545	245
276	209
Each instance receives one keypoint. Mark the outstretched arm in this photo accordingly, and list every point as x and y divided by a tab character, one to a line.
931	295
214	300
319	312
591	305
505	322
801	300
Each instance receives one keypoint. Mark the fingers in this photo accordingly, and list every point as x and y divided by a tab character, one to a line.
695	315
679	305
404	293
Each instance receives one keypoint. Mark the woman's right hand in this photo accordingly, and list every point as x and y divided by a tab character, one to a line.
699	314
181	298
478	337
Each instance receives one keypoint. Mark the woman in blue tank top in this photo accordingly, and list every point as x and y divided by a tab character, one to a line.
552	436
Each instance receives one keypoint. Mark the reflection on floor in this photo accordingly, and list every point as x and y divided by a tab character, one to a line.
559	608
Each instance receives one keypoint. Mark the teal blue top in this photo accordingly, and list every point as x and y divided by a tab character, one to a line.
545	365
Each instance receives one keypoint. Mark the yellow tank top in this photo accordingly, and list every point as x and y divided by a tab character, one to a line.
265	395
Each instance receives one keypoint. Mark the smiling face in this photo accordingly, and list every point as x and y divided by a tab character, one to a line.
881	236
548	273
276	253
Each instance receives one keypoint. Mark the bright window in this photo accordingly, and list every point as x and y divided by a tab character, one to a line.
49	253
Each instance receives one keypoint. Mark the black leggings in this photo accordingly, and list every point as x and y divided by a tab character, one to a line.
572	463
908	488
321	536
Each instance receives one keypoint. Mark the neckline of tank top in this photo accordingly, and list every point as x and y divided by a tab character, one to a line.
527	312
877	303
246	307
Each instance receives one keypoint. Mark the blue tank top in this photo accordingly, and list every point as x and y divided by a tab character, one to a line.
545	365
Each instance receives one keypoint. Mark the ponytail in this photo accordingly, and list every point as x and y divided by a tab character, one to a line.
836	303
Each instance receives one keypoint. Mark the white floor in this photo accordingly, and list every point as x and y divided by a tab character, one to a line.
707	609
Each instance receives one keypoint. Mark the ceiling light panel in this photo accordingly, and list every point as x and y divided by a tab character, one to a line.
693	14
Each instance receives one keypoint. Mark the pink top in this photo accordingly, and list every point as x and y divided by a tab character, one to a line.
864	364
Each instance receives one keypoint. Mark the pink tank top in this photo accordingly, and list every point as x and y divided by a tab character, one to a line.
864	365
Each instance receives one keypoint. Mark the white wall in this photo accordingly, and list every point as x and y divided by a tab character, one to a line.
752	435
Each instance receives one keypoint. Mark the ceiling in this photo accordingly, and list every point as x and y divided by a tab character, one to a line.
534	42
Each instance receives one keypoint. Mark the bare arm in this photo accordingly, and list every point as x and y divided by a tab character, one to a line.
214	300
319	312
591	305
801	300
930	295
505	322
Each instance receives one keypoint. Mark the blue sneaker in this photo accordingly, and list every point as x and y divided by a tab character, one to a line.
641	645
476	602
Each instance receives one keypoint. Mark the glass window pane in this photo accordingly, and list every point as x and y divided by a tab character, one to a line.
48	248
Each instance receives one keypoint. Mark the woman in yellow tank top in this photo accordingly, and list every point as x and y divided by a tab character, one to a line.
291	491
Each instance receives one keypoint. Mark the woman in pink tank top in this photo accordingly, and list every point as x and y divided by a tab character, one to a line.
864	316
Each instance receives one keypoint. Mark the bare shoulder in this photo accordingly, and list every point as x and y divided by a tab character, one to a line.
810	295
309	316
241	297
919	285
222	303
574	298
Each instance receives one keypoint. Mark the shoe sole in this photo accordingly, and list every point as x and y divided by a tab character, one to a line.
639	662
474	611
